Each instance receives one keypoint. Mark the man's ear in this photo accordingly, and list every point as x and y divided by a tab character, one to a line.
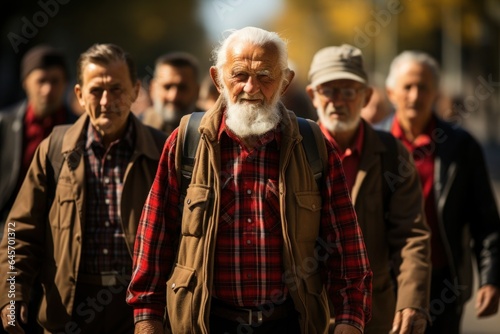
137	87
78	93
214	74
310	93
289	77
368	95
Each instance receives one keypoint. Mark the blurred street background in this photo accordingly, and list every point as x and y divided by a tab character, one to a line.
463	35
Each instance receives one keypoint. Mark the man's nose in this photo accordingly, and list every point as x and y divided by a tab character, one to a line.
104	98
251	86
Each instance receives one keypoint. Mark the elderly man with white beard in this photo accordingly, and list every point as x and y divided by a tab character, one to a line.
255	245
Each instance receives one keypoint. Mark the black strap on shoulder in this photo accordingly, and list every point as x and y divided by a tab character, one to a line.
189	147
389	165
311	148
54	158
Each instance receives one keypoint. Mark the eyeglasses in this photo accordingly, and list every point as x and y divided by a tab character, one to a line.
347	93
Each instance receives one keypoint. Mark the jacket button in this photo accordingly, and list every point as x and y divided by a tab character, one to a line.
188	201
173	286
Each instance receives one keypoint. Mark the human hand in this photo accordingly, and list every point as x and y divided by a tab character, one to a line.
345	329
409	321
10	317
487	300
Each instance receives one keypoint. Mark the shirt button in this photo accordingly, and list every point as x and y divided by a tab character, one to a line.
249	242
249	275
106	180
108	157
249	191
106	224
105	251
107	201
249	220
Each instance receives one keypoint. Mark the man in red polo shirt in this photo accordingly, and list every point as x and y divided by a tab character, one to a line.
459	203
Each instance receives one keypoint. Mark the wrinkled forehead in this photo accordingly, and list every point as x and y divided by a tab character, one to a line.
255	56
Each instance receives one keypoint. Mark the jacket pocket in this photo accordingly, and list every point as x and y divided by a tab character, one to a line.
308	215
194	214
63	212
180	289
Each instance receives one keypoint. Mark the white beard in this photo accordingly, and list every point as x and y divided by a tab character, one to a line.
336	126
245	119
167	112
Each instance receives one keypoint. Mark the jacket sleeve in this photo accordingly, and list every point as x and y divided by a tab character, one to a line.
408	236
21	249
484	221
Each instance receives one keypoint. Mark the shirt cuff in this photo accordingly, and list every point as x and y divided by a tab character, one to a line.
151	312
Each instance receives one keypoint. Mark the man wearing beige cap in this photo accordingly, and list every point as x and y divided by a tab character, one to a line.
385	190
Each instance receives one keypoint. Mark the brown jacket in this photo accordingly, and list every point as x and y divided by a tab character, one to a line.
51	246
405	238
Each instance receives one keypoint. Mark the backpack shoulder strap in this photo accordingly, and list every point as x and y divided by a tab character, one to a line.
314	146
189	146
389	165
55	159
54	156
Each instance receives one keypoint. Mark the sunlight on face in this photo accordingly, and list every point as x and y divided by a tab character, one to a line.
251	86
107	94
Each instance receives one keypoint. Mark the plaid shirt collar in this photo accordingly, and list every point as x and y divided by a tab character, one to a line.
95	138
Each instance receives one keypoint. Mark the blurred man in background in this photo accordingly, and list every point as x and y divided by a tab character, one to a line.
44	76
23	126
174	90
459	203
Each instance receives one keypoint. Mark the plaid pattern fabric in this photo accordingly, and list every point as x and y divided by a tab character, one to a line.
249	243
104	248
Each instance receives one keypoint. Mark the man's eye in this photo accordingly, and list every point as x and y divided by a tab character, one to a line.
240	76
264	78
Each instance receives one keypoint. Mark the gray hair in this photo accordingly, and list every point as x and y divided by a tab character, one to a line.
105	54
416	57
255	36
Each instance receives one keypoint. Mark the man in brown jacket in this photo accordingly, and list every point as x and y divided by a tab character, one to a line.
391	216
77	233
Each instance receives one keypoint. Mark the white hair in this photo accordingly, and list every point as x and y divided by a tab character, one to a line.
412	56
254	36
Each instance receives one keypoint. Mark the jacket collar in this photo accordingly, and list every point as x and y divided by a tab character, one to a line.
144	138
